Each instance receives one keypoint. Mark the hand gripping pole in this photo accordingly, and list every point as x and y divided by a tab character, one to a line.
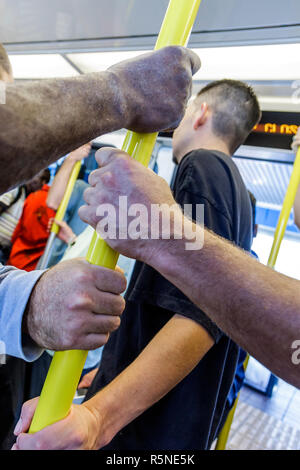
66	367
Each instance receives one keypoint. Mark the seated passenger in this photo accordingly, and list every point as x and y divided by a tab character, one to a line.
168	366
31	234
11	207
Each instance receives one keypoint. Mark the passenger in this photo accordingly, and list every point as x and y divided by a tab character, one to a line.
170	365
30	236
295	146
11	207
214	126
41	115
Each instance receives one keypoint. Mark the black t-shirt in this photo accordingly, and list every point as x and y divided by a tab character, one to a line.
189	415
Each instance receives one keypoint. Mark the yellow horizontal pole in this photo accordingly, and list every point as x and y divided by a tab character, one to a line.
278	237
66	367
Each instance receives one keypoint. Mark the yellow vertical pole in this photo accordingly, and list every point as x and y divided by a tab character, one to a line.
223	436
224	433
65	200
278	237
286	210
66	367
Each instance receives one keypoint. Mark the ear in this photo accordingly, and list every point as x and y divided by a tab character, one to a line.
201	116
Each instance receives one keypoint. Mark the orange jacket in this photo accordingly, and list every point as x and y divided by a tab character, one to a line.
30	236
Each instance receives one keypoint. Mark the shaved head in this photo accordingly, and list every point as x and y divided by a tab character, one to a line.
235	110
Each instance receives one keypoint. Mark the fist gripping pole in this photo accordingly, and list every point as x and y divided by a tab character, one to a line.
66	367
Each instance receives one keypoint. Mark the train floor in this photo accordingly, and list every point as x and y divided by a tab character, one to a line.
263	423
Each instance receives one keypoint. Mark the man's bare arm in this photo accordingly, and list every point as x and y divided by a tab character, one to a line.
257	307
169	357
59	184
42	121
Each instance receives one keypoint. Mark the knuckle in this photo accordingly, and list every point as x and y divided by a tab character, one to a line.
120	306
69	339
122	285
71	302
175	52
108	179
124	161
114	323
94	176
87	194
82	275
104	338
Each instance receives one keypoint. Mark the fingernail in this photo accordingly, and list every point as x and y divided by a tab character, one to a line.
18	427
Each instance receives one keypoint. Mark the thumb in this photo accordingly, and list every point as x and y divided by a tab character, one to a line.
195	61
25	419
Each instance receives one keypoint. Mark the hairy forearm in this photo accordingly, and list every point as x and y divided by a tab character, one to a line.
168	358
42	121
257	307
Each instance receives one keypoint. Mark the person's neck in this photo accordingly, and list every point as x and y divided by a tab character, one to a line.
206	145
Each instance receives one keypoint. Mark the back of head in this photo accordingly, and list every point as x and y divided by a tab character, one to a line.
45	175
5	66
235	110
36	183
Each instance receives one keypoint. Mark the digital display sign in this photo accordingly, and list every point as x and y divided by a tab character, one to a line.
273	128
276	130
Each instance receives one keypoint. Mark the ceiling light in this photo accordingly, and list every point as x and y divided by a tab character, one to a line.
36	66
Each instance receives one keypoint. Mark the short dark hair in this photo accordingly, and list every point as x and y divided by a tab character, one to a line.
46	175
235	110
4	62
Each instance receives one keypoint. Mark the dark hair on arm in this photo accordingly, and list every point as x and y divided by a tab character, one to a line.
235	110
